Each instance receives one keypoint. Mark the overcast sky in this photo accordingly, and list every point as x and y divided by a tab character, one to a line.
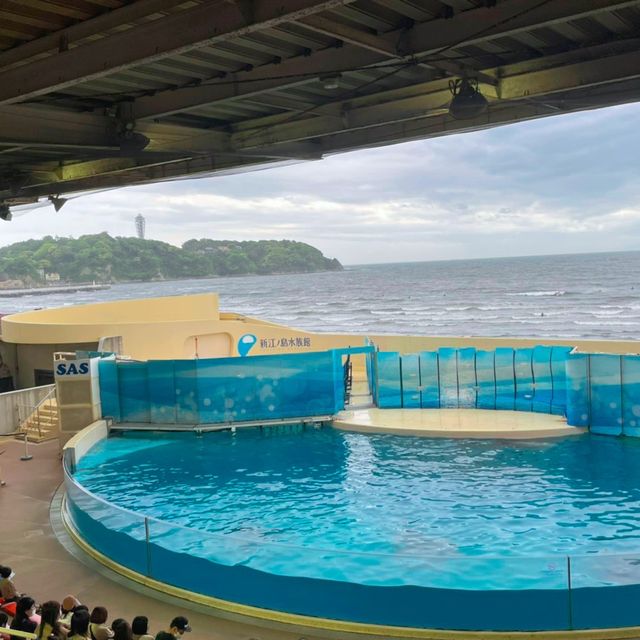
565	184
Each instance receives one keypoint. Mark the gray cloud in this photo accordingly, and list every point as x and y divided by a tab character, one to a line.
562	184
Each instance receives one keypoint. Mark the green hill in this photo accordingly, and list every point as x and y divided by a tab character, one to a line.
102	258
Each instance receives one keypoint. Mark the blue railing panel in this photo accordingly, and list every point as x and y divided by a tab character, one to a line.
411	381
388	365
134	393
486	375
467	383
162	391
542	375
523	369
605	393
559	355
577	393
448	371
429	375
631	396
505	379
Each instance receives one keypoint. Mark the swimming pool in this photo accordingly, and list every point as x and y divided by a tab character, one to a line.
460	534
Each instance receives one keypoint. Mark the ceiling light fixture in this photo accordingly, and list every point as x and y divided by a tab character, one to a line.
467	101
331	82
57	202
5	212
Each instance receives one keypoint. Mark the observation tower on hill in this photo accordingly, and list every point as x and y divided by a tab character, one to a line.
140	226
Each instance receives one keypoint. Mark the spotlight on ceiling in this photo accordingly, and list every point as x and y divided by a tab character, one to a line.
330	82
132	141
57	202
467	101
5	212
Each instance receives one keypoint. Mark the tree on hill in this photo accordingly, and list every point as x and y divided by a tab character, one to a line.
102	258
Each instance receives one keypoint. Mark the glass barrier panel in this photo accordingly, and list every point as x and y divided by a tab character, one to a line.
523	369
134	391
605	590
505	379
448	370
162	391
577	392
410	381
559	399
467	383
631	395
389	380
605	394
116	533
109	391
186	391
541	362
486	375
429	380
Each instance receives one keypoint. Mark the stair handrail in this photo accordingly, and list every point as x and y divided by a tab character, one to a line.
26	411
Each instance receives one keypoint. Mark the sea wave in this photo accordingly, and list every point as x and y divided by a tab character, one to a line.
539	293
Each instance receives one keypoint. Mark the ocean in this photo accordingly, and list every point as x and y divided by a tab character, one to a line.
567	296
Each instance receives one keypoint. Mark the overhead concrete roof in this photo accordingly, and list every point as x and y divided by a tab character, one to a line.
225	85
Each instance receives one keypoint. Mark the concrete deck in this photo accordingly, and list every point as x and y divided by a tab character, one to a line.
456	423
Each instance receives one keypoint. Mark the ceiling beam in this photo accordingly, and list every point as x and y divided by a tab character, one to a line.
507	18
522	86
72	34
178	33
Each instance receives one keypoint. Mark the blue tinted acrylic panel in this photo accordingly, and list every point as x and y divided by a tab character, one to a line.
577	390
523	369
485	373
631	396
467	384
605	394
505	380
448	369
388	384
186	384
162	391
541	361
559	357
410	381
109	389
430	381
134	392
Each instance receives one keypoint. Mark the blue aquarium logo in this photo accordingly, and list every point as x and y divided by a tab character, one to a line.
245	344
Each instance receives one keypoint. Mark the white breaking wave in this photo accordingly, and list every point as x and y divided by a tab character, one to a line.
538	293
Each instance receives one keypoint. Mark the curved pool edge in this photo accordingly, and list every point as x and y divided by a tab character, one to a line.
327	627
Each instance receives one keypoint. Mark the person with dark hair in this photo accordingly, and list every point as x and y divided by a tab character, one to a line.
25	611
80	624
7	589
140	628
50	625
122	630
179	625
70	605
98	628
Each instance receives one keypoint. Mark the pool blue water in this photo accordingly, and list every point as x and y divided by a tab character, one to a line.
381	509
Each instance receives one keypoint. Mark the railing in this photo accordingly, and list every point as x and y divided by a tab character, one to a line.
9	402
38	415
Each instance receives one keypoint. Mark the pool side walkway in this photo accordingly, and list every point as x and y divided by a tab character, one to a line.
456	423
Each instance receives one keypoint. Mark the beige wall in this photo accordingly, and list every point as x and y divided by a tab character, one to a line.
40	356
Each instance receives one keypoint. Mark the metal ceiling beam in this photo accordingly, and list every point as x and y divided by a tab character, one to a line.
517	87
70	35
383	45
508	18
178	33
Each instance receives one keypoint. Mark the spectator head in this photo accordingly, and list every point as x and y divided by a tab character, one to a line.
99	615
122	631
117	622
69	604
50	612
5	572
179	625
25	608
80	623
140	625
